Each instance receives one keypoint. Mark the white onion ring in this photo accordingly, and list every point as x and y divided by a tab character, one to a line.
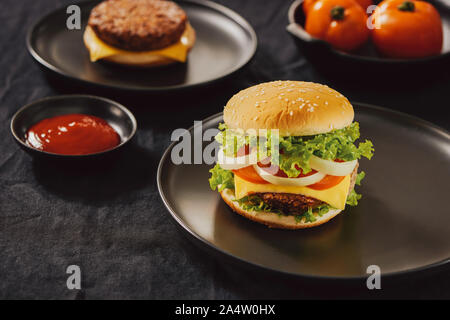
235	163
296	182
332	168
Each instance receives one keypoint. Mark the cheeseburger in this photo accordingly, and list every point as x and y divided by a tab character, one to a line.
288	157
138	33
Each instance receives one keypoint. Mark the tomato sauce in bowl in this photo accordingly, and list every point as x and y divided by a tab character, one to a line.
72	134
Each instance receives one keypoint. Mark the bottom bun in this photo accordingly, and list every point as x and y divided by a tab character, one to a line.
148	61
274	220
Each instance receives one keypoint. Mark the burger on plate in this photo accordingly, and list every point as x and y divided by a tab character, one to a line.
140	33
288	156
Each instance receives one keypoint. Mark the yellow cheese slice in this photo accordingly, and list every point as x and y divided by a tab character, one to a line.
335	196
178	51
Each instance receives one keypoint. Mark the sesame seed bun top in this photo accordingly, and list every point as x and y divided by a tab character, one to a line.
295	108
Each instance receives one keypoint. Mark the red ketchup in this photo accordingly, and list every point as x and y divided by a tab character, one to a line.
72	134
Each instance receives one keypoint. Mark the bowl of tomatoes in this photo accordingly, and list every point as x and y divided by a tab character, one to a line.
395	37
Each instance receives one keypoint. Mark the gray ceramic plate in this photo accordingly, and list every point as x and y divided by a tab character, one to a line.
225	43
402	223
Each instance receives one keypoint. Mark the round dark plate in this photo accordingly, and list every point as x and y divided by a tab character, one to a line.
225	43
401	224
366	58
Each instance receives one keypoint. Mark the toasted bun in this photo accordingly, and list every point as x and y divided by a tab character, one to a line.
274	220
136	61
295	108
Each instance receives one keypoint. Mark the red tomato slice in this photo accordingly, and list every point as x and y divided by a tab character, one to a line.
327	182
249	174
243	151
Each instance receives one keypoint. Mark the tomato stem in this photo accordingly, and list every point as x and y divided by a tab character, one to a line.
407	6
337	13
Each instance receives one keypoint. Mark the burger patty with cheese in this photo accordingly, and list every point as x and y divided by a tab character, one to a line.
288	156
138	33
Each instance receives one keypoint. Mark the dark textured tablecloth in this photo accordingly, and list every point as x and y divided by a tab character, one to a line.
111	221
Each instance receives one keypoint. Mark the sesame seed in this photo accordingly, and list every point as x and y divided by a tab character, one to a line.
291	113
286	99
326	102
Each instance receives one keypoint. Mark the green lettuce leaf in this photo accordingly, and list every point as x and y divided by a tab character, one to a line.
311	214
221	179
353	197
255	203
359	178
295	151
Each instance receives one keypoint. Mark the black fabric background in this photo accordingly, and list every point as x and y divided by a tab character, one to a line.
111	221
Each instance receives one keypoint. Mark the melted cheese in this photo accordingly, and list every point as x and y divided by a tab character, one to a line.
335	196
178	51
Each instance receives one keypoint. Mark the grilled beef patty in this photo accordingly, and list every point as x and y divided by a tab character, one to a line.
289	203
138	25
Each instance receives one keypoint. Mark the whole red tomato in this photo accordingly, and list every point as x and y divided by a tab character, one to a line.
407	29
342	23
307	4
